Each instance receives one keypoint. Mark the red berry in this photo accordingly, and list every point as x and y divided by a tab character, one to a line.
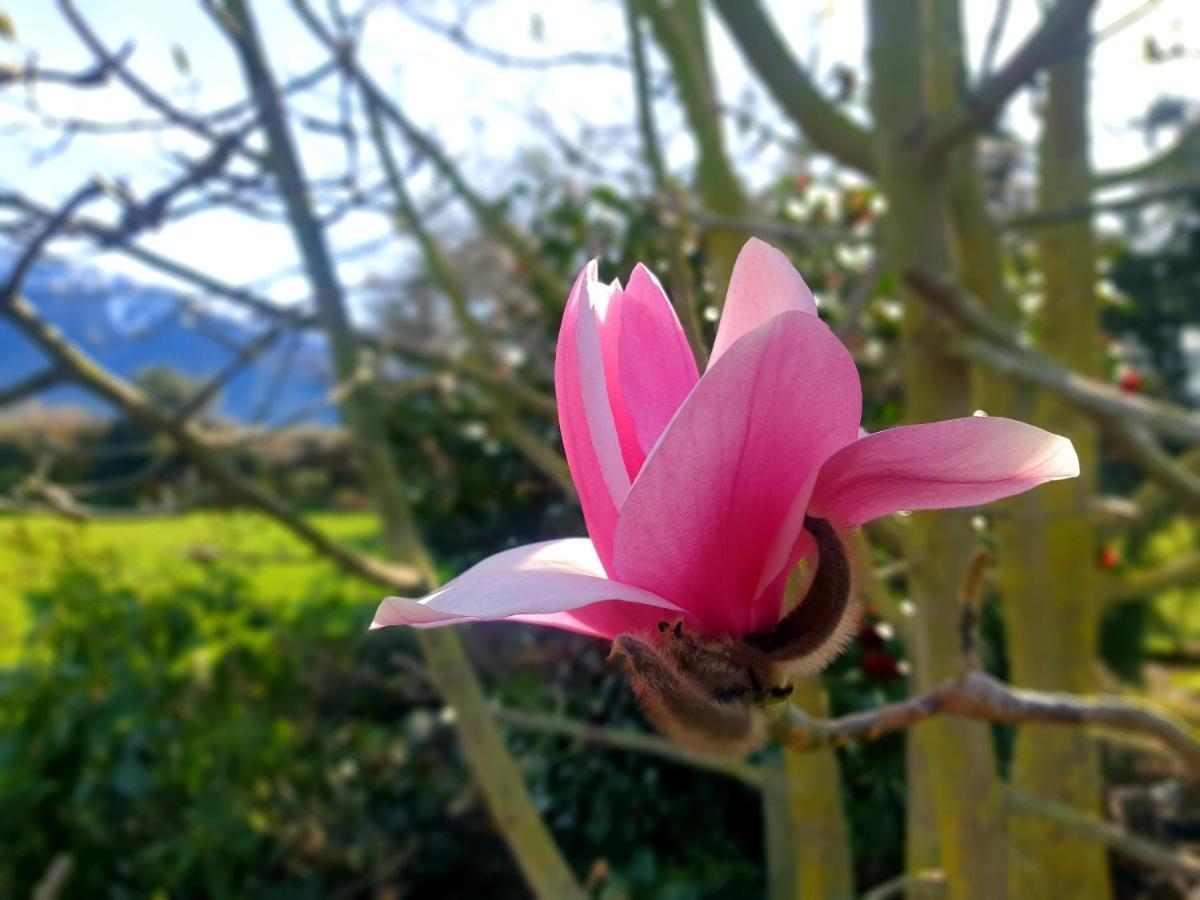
1108	557
879	665
1130	380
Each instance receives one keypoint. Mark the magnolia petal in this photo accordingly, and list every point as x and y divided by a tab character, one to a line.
764	283
703	516
552	583
656	364
959	462
607	619
607	304
585	416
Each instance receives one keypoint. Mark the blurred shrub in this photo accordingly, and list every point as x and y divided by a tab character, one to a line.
197	744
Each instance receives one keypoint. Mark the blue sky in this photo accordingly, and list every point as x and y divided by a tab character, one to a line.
480	112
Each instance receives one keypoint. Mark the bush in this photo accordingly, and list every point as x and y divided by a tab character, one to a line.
195	743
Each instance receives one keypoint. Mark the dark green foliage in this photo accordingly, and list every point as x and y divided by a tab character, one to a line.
1165	281
201	745
660	829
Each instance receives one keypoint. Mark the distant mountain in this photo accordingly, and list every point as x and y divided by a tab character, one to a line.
128	327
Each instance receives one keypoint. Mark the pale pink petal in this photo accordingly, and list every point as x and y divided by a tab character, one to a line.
608	304
656	364
764	283
701	521
607	619
538	582
959	462
585	415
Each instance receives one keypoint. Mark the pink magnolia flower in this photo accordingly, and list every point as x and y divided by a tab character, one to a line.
695	489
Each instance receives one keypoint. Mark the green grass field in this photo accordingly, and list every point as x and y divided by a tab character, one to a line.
157	552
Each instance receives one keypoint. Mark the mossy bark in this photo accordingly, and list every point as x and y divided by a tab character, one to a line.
808	852
959	758
1047	571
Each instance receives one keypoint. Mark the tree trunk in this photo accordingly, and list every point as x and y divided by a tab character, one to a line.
1048	574
958	755
808	842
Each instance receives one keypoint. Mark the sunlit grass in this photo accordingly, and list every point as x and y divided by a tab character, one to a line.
154	553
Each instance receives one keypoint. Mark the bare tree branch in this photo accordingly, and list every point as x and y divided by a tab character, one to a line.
96	75
118	66
456	34
627	739
1181	157
544	458
1150	854
682	293
207	392
829	129
1176	475
1180	191
550	286
1179	572
977	695
994	35
998	347
30	386
1048	43
27	258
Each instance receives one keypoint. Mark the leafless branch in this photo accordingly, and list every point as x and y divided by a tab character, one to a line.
792	87
151	212
1042	48
994	35
977	695
95	75
118	66
997	346
456	33
627	739
209	390
30	386
1150	854
549	284
28	256
1179	572
1180	191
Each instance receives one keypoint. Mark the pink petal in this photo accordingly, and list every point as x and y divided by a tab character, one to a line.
606	619
959	462
764	283
559	583
656	364
608	305
585	415
701	522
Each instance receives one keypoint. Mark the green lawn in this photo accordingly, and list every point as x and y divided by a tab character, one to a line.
157	552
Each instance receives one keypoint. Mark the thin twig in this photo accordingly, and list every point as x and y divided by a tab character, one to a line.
627	739
1150	854
994	36
51	227
979	696
998	347
28	387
